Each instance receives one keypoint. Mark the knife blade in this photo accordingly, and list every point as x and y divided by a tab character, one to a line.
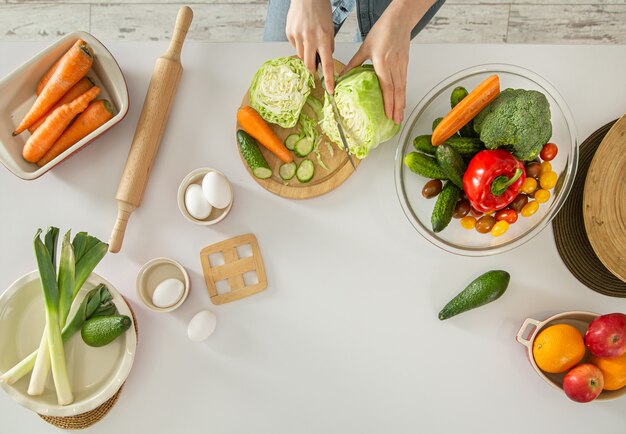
333	104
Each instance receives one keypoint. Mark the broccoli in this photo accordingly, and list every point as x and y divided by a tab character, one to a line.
517	119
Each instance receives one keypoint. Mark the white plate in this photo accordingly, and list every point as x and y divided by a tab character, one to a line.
95	374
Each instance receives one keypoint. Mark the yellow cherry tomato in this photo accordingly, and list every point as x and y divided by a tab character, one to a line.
546	167
548	180
529	185
499	228
468	222
542	196
530	208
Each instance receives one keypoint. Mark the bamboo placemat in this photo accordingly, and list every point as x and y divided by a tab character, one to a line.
84	420
569	229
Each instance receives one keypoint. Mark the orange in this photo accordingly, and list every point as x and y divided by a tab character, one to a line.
558	348
613	369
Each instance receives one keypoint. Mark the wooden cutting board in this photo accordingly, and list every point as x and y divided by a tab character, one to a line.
339	167
604	200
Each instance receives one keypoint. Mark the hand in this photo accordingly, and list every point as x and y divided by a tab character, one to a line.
310	30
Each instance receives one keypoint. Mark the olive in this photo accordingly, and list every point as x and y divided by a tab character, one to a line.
432	188
461	209
518	203
485	223
533	170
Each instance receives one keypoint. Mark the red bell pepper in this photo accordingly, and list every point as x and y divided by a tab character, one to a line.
493	179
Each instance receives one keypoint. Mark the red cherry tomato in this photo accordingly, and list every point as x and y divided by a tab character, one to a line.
507	214
548	152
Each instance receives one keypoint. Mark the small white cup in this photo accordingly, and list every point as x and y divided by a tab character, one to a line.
156	271
196	177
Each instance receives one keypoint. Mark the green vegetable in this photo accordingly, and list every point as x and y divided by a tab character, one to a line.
287	171
457	95
423	144
303	147
444	207
360	104
316	106
517	118
290	141
280	89
253	156
305	171
102	330
466	146
485	289
424	165
436	122
97	302
451	163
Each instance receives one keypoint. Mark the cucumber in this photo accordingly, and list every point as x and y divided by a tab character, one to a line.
305	171
436	122
287	171
457	95
444	207
484	289
290	141
303	147
252	154
423	144
451	163
424	165
466	146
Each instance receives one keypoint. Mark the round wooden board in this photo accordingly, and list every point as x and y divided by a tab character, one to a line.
339	167
604	200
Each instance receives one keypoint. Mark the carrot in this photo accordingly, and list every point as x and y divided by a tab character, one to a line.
74	65
44	137
79	88
48	74
466	109
253	124
92	118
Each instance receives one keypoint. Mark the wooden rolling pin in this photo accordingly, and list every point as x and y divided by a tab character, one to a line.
149	130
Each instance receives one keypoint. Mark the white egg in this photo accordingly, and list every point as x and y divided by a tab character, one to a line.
201	325
216	189
196	203
168	292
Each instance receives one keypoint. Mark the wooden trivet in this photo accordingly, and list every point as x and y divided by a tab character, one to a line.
85	420
569	229
233	269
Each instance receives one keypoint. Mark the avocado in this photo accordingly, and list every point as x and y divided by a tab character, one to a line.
102	330
484	289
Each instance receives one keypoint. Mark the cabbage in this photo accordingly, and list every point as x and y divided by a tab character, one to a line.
360	104
279	90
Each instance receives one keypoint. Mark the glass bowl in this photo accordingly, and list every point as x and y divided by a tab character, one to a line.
435	104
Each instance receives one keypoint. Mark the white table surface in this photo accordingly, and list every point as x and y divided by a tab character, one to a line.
346	338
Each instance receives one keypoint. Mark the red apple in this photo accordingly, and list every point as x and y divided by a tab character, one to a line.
583	383
606	335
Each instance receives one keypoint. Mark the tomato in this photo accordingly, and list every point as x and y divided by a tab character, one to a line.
548	180
542	196
507	214
475	212
485	223
499	228
548	152
546	167
432	188
530	208
468	222
533	170
529	185
519	202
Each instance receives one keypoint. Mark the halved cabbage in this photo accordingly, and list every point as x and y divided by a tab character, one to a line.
360	103
279	90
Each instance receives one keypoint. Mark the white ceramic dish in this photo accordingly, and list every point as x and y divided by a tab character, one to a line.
156	271
17	93
195	177
578	319
96	374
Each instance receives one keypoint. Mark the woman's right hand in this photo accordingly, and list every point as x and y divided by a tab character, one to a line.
311	31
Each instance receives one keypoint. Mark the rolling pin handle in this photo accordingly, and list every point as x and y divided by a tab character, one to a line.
183	22
117	235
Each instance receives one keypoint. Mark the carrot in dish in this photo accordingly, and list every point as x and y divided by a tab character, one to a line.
79	88
73	66
466	109
92	118
44	137
252	123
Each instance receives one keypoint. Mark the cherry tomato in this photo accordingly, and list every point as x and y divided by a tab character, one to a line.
468	222
432	188
529	185
519	202
546	167
499	228
485	223
548	152
461	209
533	170
508	215
548	180
530	208
542	196
475	212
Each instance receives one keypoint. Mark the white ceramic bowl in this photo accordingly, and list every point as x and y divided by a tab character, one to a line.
578	319
96	374
17	93
156	271
195	177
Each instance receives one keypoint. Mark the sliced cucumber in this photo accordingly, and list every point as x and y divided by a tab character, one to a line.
290	141
262	172
305	171
253	156
303	147
287	171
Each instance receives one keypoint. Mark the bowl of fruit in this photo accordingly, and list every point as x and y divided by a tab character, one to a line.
580	353
486	159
